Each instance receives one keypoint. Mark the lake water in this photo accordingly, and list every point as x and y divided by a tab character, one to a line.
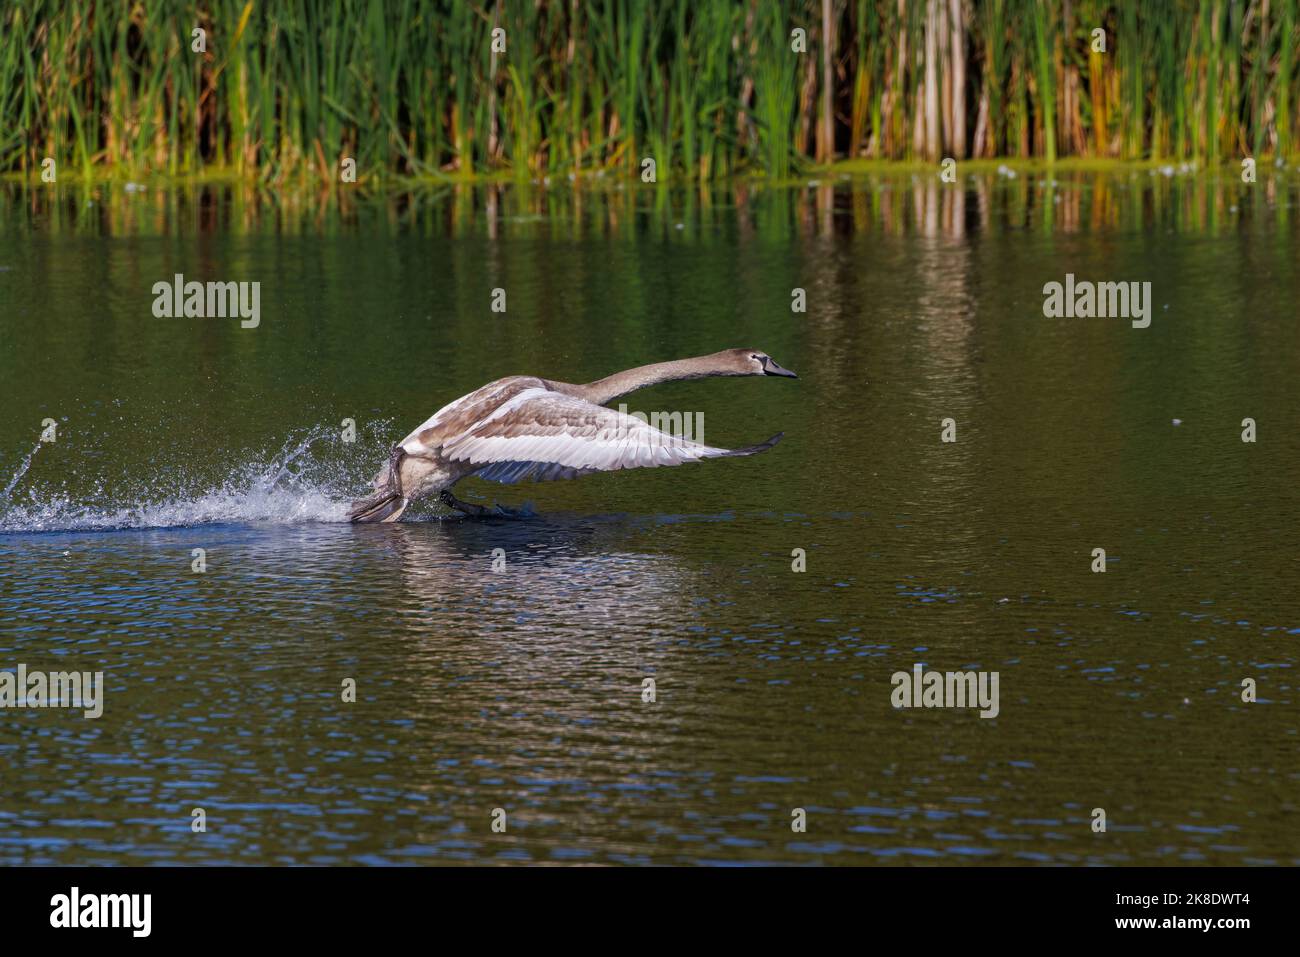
521	688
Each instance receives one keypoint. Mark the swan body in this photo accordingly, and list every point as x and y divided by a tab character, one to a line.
527	427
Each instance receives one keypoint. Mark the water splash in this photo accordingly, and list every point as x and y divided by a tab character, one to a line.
22	470
310	479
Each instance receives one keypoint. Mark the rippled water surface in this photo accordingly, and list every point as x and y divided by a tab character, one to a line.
522	688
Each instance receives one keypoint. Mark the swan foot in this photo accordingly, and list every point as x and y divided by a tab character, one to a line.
451	501
482	511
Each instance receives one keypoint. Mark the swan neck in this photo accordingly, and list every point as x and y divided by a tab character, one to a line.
621	383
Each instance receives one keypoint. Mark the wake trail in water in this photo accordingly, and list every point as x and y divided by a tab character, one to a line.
312	478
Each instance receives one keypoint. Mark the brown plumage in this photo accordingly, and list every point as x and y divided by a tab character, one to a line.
525	427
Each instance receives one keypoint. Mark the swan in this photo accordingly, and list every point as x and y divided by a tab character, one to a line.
527	427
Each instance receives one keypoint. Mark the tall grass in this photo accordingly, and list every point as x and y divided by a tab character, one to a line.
707	88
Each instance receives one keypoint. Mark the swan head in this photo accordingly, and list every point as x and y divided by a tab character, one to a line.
758	362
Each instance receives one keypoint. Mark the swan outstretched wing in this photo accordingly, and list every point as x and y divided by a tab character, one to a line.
542	435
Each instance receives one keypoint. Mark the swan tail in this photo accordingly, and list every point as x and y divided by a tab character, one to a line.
383	506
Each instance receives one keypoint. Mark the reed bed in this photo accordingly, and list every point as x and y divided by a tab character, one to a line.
707	88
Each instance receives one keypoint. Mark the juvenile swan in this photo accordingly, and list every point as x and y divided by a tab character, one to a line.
525	427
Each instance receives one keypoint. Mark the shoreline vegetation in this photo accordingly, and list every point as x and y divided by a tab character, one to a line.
1046	202
840	170
579	90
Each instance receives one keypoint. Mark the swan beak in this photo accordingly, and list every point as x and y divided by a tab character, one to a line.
771	368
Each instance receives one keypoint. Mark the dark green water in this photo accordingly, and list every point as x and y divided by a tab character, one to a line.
521	689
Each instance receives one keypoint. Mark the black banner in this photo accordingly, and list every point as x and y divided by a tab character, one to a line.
333	906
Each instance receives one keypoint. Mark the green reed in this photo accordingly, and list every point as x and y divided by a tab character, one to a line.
708	88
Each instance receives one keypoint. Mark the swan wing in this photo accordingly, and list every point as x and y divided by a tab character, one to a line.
542	435
457	416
